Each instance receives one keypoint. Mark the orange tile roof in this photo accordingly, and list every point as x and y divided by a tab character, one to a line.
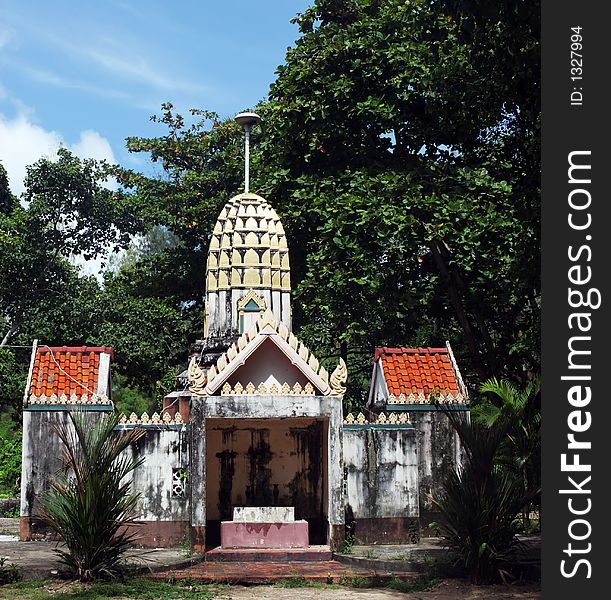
55	370
415	370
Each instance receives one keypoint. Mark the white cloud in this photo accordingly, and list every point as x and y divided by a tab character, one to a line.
121	58
23	142
92	145
50	78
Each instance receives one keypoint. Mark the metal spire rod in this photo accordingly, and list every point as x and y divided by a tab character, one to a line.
247	120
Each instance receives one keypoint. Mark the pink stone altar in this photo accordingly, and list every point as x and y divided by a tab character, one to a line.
264	527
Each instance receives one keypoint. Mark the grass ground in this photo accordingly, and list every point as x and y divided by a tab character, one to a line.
293	588
133	588
145	589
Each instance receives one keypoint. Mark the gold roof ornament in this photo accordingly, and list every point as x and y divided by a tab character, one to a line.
338	379
197	379
251	295
256	221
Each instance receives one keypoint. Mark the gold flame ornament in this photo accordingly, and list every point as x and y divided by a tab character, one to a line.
338	379
197	379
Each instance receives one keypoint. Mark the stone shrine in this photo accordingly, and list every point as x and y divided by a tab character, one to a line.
253	447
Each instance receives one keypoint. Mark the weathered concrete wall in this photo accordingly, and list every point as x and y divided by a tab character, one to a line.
381	479
439	451
265	462
166	518
381	470
41	456
163	451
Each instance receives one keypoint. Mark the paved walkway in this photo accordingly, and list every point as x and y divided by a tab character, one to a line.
37	560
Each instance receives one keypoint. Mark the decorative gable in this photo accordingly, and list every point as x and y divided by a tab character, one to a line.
262	361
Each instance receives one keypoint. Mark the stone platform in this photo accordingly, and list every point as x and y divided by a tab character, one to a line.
264	535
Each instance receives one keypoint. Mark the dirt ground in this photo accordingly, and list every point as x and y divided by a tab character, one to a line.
446	590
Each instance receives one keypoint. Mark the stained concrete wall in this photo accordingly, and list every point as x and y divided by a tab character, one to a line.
439	451
165	519
381	472
381	482
41	456
265	462
162	450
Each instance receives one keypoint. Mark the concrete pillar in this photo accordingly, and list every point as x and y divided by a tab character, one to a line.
335	477
197	475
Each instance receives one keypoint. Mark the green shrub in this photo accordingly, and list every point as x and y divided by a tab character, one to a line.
8	573
480	501
89	504
10	460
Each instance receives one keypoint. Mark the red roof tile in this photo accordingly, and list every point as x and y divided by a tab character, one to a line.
66	370
415	370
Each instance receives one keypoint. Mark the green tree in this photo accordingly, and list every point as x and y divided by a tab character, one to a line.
66	212
411	97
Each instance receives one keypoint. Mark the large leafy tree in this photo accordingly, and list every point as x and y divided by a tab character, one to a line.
65	212
400	146
424	117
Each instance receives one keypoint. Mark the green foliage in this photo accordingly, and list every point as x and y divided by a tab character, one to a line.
348	547
128	399
13	373
409	184
9	573
481	500
521	410
89	504
66	212
10	456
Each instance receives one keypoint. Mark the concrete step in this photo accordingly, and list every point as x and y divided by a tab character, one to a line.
271	555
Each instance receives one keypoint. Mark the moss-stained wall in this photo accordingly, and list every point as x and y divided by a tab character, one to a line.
265	462
41	456
163	451
439	451
381	471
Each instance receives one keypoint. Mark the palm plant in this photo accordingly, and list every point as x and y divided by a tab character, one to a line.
480	500
89	504
520	409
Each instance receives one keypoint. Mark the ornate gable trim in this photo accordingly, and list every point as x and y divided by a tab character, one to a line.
267	327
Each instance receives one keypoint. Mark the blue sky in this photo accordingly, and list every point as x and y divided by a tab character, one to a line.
89	74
